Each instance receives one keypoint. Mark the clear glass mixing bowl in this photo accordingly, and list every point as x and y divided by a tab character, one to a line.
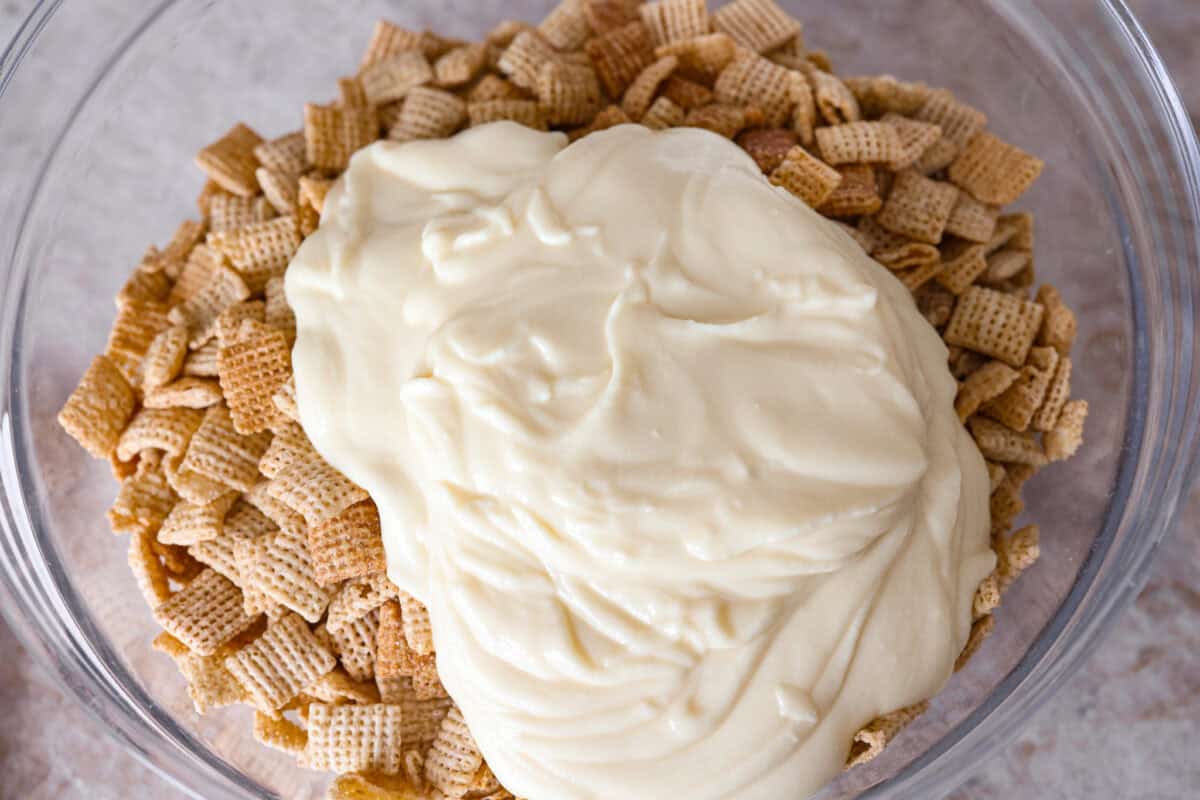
104	104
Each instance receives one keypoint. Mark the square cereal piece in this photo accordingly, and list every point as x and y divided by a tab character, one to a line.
347	545
915	138
354	738
751	79
984	384
200	311
313	191
872	739
247	554
277	312
252	370
767	146
493	87
858	143
1059	325
148	571
417	629
228	212
277	512
259	251
428	113
334	133
230	161
204	614
877	237
98	409
937	157
453	758
918	207
913	279
230	320
209	684
219	554
758	25
642	90
280	733
358	597
147	284
619	55
136	326
523	112
1065	438
194	488
998	443
880	96
189	523
935	304
284	155
674	20
806	176
959	122
994	171
284	573
288	446
524	58
566	27
460	66
1016	406
388	40
391	79
167	429
965	262
836	103
995	324
354	644
144	499
219	452
165	356
315	490
856	194
972	220
567	94
1055	398
279	189
195	273
278	665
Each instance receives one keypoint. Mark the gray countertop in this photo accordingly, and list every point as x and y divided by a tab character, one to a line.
1125	726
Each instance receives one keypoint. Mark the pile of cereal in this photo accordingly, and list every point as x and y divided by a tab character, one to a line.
265	567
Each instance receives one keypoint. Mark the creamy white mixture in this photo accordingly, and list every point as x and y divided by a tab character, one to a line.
672	462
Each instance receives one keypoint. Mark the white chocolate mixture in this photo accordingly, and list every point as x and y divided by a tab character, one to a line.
672	462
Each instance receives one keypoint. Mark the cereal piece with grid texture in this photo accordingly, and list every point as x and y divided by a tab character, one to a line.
606	15
348	544
806	176
191	486
460	66
751	79
685	93
135	327
724	120
285	155
644	87
98	409
418	631
663	114
276	311
285	400
619	55
337	687
315	490
354	738
247	555
915	138
278	665
165	356
768	146
196	271
148	283
918	207
1005	265
972	220
358	597
965	262
144	499
228	212
260	251
218	451
1015	554
882	95
936	304
999	443
252	369
836	103
219	554
279	734
995	324
391	79
202	362
204	614
209	684
1056	396
1064	439
1016	406
994	171
856	194
858	143
389	40
804	109
354	644
280	190
288	446
148	571
199	312
758	25
1059	325
229	322
453	758
284	573
877	237
333	133
523	59
870	741
523	112
566	27
189	523
959	122
913	279
168	429
428	113
230	161
674	20
493	87
937	157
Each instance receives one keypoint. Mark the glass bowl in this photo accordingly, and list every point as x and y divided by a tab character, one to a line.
105	103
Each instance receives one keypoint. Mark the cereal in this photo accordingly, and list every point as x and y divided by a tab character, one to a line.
354	644
804	109
189	523
391	79
1005	265
220	554
164	358
836	103
197	270
230	320
259	251
315	490
937	157
641	91
280	734
1055	397
870	741
768	147
958	121
1064	439
218	451
336	686
284	400
354	738
619	55
417	630
147	284
252	369
999	443
144	499
918	207
230	161
972	220
168	429
428	113
523	112
148	571
333	133
97	410
285	155
453	759
228	212
567	94
358	597
883	95
389	40
858	143
684	93
806	176
984	384
753	80
347	545
279	189
994	171
1058	325
204	614
673	20
1016	406
200	311
995	324
284	573
856	193
663	114
277	666
288	446
136	326
192	487
907	256
915	138
965	262
758	25
723	120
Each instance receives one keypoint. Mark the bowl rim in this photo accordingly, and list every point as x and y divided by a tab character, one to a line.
25	580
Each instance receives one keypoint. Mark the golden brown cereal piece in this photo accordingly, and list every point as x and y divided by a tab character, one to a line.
642	90
219	554
428	113
673	20
97	410
493	87
858	143
279	189
453	758
260	251
608	118
768	147
722	119
147	570
835	102
881	95
806	176
189	523
354	738
279	664
218	451
334	133
132	332
606	15
980	630
461	65
915	138
1057	394
247	555
996	474
199	312
230	320
1064	440
663	114
197	270
389	40
392	78
147	284
168	430
230	161
391	645
758	25
523	112
1016	406
252	370
313	190
246	521
566	27
285	400
958	121
417	629
987	596
619	55
1015	554
996	324
993	170
347	545
751	79
181	567
204	614
1005	265
685	94
280	734
144	499
504	32
337	687
1058	327
913	279
191	486
288	446
358	597
937	157
804	109
354	644
917	207
870	741
878	238
523	59
935	304
276	311
285	155
165	356
999	443
209	684
378	787
186	236
228	212
984	384
284	573
856	194
202	362
965	262
972	220
907	256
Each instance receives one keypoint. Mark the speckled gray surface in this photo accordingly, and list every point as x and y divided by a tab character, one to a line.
1125	726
